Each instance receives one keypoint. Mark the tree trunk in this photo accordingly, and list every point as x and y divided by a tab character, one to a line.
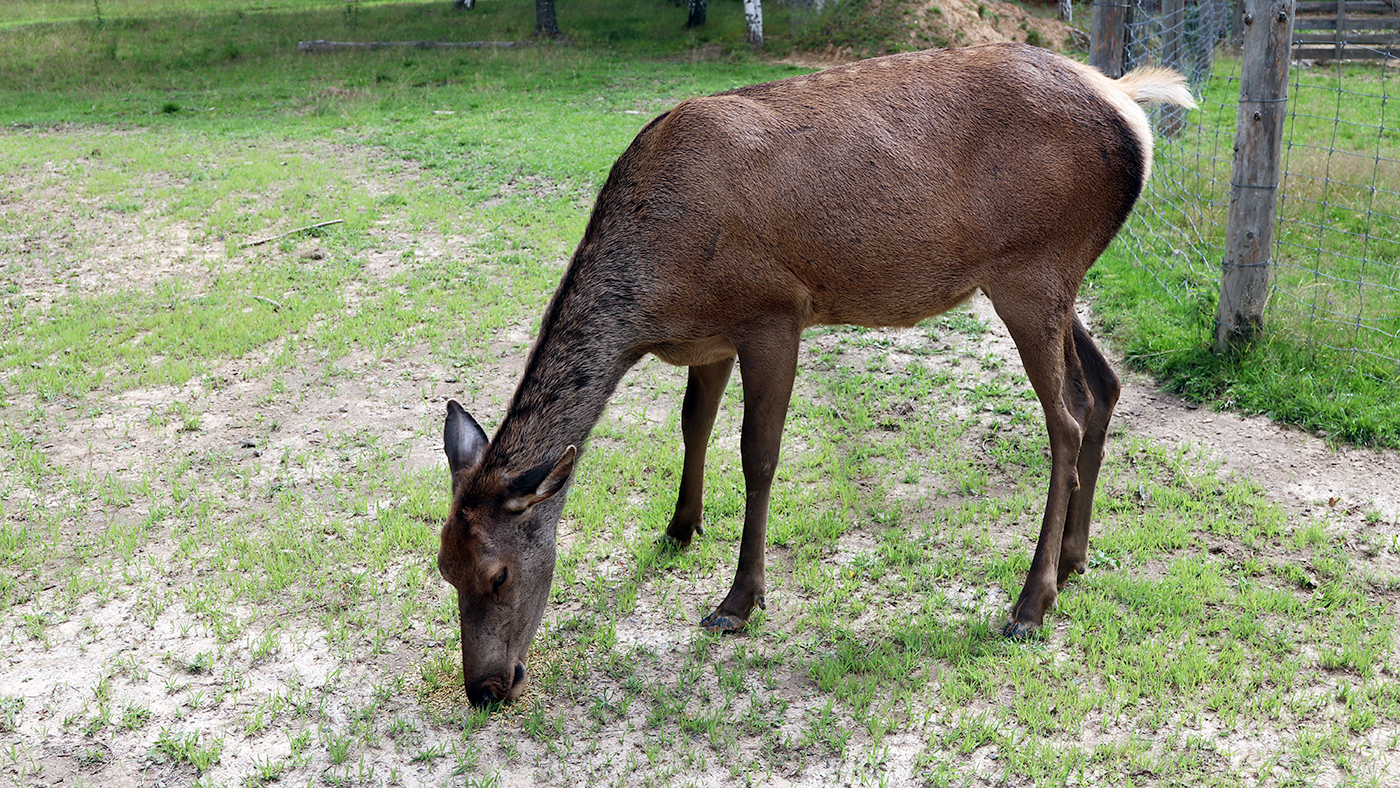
753	12
546	26
697	14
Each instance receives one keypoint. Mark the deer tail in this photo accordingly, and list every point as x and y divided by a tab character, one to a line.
1154	85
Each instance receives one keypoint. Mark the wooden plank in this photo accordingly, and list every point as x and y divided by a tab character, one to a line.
1350	53
1352	23
1350	27
1359	6
1249	228
1352	38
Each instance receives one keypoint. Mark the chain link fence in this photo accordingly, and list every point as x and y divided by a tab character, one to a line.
1335	284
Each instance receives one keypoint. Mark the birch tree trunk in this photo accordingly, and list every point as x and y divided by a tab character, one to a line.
753	12
697	14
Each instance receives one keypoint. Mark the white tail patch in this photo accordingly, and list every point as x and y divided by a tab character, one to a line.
1136	89
1154	85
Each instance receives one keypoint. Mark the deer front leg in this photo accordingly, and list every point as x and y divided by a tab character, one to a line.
767	364
702	395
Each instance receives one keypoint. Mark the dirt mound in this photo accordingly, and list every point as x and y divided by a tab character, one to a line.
966	22
929	24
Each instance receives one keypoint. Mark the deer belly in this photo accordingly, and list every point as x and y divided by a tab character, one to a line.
694	353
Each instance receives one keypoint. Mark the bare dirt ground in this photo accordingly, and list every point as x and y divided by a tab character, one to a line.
1301	471
964	23
1298	470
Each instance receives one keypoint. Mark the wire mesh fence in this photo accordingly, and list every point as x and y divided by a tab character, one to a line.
1335	284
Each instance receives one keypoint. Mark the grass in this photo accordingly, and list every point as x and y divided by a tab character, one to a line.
1328	362
220	478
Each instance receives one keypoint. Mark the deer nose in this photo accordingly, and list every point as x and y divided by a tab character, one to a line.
519	674
481	694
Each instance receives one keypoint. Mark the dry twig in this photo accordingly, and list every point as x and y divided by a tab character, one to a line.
262	241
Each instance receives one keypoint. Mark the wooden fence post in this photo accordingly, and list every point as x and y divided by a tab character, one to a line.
1249	230
1173	36
1107	36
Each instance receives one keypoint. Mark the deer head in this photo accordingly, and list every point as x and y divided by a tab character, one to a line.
497	550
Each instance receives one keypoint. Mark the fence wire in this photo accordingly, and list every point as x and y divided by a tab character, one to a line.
1335	282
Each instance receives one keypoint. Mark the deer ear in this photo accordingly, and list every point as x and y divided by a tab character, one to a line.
463	440
541	482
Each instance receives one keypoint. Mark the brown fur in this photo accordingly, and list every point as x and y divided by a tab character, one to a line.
873	194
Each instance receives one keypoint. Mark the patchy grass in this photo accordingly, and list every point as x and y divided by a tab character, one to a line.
220	485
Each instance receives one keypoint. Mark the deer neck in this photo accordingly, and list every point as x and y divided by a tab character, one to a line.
584	348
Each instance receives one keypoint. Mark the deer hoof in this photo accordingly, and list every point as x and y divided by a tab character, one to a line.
719	623
1069	571
679	538
1019	630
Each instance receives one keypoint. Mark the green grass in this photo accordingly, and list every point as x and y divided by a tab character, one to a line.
1328	359
220	478
868	28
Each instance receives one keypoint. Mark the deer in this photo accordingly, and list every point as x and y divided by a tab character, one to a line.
872	194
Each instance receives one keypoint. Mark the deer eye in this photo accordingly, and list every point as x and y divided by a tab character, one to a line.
499	580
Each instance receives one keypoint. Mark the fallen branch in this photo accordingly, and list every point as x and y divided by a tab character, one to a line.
262	241
276	307
321	45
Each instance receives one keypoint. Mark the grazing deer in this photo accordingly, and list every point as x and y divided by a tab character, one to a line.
874	194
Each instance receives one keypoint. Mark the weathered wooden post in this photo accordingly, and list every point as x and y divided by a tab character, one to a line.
1107	36
1249	229
1173	36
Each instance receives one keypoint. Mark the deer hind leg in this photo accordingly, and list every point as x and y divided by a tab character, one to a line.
767	365
1103	388
1041	328
702	395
